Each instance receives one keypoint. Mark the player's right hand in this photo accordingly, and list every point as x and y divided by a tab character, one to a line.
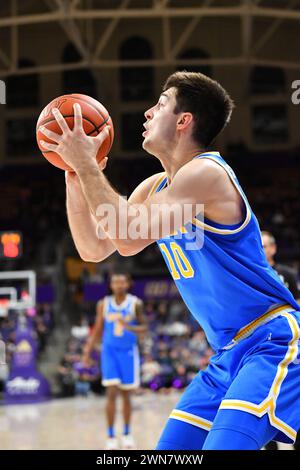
72	178
86	359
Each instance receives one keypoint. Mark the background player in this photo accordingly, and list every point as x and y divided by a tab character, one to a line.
289	278
119	320
286	273
249	394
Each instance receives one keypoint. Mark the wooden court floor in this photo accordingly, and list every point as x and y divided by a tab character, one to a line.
79	423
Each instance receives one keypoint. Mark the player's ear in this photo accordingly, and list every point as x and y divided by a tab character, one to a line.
184	120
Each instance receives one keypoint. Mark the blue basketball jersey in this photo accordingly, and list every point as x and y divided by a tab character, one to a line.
114	333
221	271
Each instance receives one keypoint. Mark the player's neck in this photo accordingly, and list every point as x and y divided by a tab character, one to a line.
179	158
119	298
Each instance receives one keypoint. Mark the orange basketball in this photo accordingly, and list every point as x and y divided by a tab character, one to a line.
94	118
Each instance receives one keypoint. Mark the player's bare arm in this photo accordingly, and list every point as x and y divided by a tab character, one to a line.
96	334
141	327
195	183
83	224
91	242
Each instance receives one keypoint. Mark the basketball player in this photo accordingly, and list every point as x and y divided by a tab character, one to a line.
119	320
250	392
289	278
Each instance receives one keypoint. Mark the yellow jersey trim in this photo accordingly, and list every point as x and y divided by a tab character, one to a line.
269	404
191	419
266	317
157	183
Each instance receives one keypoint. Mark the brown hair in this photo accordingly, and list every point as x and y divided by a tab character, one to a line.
210	105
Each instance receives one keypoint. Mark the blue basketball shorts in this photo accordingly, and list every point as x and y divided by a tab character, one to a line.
252	387
120	366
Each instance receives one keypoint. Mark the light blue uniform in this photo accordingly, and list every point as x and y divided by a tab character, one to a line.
119	356
251	320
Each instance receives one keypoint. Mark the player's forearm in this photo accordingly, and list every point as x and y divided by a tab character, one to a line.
92	341
137	328
85	232
105	203
115	215
89	247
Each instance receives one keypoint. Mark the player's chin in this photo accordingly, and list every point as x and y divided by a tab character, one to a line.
147	145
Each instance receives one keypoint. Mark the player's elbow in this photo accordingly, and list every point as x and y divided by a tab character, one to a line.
128	249
125	251
90	257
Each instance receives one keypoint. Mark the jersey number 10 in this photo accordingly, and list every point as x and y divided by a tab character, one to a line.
178	262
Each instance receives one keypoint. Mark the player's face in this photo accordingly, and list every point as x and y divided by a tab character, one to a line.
119	285
270	248
160	133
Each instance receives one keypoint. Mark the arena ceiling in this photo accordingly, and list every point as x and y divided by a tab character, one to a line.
91	24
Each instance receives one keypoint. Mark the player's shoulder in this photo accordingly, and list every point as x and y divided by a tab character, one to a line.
146	187
199	173
153	179
205	166
136	299
132	297
103	301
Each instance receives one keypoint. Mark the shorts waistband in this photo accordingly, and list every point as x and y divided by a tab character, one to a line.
248	329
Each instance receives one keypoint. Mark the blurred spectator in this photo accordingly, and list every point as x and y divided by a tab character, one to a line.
66	378
149	371
75	378
85	376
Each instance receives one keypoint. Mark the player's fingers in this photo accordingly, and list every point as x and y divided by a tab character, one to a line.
52	135
77	117
102	163
60	120
70	176
103	135
48	146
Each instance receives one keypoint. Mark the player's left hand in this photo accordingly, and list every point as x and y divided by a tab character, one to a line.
75	147
123	323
